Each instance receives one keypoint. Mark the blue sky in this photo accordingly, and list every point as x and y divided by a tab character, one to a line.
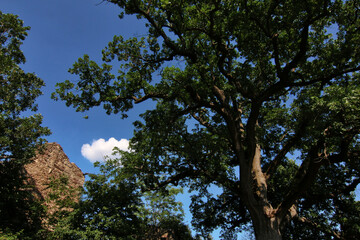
61	32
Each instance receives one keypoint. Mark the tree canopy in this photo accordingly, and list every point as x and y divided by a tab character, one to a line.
18	92
259	98
20	135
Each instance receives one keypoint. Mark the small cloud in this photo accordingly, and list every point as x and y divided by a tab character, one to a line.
101	148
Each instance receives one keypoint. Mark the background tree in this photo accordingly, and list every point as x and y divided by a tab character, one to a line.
113	207
108	210
19	136
164	216
259	98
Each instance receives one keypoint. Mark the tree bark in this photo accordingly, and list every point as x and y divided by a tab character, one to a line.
265	227
266	223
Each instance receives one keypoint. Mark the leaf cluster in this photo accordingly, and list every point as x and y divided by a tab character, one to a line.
113	207
20	135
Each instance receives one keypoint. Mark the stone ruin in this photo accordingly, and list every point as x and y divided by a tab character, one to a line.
52	162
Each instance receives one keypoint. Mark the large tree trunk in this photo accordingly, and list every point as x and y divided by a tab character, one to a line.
265	228
266	223
268	235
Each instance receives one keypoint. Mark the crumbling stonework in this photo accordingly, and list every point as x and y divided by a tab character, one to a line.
52	162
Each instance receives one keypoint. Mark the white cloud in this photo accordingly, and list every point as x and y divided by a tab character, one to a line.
101	148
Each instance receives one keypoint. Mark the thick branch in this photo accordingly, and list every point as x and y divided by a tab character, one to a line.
326	79
203	103
281	85
251	129
286	148
276	56
304	177
175	179
220	95
204	123
141	99
303	46
316	226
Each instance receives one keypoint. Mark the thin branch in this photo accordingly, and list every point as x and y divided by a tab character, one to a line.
166	38
326	79
351	187
274	40
141	99
303	46
300	55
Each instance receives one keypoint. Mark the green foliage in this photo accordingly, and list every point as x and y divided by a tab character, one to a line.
18	91
108	211
164	215
241	87
20	212
61	202
113	207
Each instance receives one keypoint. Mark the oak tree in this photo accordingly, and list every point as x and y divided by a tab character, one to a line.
258	98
